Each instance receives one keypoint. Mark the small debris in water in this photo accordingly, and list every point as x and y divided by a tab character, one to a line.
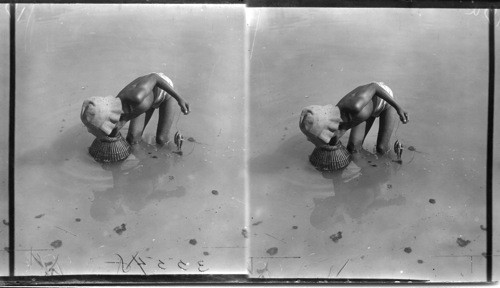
193	241
407	250
336	237
39	216
257	223
272	251
171	177
483	228
420	261
389	186
78	220
411	148
191	139
295	227
154	156
215	192
484	254
287	167
374	165
120	229
244	232
6	249
5	222
206	253
432	201
56	244
462	243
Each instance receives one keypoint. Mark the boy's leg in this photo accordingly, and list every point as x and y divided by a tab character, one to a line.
137	125
358	135
387	121
165	120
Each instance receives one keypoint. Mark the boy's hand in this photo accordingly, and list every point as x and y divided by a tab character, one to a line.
184	107
403	115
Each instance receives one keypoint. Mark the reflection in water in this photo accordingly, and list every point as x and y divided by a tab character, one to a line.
137	182
288	165
362	187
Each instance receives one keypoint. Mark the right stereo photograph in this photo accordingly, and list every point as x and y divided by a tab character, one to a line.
367	143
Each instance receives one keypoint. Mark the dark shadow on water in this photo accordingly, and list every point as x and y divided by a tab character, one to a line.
139	181
362	187
368	189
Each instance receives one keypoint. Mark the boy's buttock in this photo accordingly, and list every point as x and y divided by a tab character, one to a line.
381	104
159	97
159	94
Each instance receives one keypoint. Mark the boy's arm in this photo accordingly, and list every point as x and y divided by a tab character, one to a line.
382	93
372	89
156	80
164	85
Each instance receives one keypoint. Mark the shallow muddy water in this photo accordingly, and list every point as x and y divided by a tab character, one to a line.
173	214
377	218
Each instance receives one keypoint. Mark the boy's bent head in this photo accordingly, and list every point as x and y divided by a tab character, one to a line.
320	123
100	114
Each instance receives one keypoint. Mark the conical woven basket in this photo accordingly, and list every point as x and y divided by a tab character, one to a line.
110	149
330	158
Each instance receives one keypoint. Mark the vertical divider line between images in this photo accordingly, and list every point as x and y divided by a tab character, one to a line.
489	156
246	135
12	125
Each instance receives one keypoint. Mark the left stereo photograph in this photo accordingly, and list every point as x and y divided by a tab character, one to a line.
129	139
